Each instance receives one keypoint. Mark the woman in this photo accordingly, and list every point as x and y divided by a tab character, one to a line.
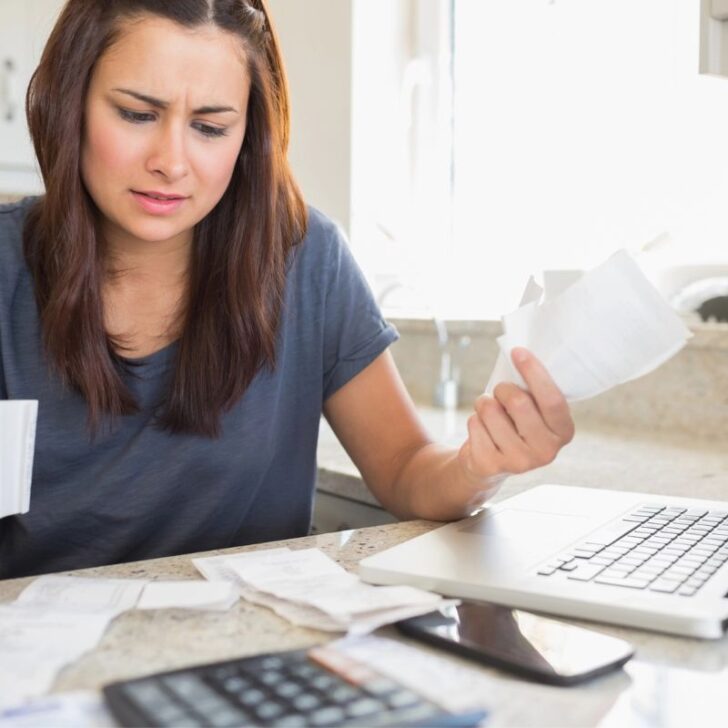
183	319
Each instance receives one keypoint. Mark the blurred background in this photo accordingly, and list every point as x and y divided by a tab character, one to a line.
465	144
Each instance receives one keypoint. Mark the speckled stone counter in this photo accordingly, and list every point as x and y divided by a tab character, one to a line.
670	678
604	457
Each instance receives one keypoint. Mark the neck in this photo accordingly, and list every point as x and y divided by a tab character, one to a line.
130	259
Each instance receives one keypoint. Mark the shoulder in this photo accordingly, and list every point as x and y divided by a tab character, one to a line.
324	238
12	221
320	253
321	264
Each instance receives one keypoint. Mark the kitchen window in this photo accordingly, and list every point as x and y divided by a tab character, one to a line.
538	134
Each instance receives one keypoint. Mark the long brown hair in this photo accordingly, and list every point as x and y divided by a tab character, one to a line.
238	268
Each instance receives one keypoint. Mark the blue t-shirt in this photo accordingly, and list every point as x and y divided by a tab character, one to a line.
139	492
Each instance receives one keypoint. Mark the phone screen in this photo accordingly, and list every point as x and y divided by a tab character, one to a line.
526	643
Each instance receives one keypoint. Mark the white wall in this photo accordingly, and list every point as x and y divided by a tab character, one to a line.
315	37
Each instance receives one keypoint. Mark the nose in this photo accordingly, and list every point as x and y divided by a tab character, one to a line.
168	155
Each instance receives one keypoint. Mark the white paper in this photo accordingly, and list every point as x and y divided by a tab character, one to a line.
502	370
310	589
82	594
37	641
219	568
77	709
445	682
301	615
17	447
606	328
209	595
369	621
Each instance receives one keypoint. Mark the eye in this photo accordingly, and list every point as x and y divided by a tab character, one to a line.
208	130
135	117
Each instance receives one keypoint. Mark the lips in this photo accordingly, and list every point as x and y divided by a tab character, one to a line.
158	203
158	195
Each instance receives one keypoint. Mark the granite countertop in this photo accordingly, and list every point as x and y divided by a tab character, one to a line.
599	457
669	682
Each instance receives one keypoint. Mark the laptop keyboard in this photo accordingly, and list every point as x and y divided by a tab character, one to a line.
657	548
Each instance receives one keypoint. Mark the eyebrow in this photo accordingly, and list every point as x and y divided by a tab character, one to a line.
159	104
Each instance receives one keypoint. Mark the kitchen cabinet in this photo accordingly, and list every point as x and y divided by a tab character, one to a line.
24	28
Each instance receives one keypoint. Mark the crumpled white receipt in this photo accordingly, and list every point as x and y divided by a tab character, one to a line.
594	331
308	588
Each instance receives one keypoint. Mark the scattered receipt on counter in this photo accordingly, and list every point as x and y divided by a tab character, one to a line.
309	589
189	594
592	332
17	448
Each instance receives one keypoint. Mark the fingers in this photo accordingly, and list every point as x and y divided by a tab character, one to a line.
550	402
517	430
501	430
494	446
540	442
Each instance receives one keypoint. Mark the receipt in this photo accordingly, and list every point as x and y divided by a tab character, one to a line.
593	332
17	447
82	594
308	588
37	641
189	594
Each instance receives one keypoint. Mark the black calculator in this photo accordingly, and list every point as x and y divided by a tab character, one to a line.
316	687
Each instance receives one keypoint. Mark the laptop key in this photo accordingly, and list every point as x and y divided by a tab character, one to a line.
687	591
664	585
586	572
611	534
628	582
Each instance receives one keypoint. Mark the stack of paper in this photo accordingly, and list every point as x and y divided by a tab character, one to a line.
52	623
17	446
58	618
593	331
309	589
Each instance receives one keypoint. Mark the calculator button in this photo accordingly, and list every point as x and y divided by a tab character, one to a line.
306	702
288	689
169	715
343	693
270	678
183	685
292	721
225	717
323	682
403	699
235	684
148	694
251	697
362	707
271	663
268	710
326	716
305	671
156	703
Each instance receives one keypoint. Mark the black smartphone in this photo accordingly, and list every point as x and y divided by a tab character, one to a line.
535	647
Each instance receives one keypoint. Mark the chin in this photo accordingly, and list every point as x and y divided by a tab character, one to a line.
157	231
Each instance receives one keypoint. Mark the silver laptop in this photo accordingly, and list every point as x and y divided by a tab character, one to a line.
659	563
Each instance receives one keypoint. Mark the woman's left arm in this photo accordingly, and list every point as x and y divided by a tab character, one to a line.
413	477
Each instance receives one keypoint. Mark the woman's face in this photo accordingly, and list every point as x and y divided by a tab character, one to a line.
164	122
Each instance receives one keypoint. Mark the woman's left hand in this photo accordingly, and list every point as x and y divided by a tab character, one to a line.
516	430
